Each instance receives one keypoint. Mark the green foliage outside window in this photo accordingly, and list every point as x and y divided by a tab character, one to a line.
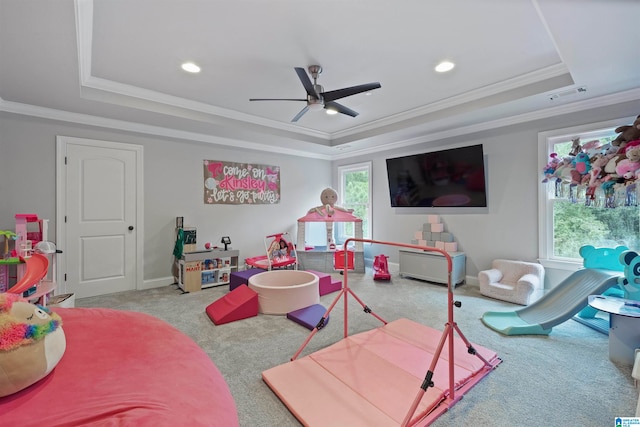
356	197
575	224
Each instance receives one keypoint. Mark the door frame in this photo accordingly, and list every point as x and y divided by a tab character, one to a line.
61	202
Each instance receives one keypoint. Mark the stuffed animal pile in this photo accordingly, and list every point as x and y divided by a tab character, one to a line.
613	168
32	343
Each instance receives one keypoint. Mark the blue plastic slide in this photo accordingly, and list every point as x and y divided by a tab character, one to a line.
557	306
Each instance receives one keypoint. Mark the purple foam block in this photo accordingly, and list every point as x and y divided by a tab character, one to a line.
238	278
309	316
326	284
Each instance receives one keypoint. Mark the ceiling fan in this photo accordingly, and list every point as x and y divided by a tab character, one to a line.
317	98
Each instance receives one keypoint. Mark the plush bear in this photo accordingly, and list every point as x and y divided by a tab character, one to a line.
630	283
631	144
627	167
328	197
627	133
612	164
32	343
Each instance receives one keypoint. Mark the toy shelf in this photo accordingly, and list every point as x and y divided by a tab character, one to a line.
205	269
42	293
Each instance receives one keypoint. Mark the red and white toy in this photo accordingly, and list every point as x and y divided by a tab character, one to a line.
381	268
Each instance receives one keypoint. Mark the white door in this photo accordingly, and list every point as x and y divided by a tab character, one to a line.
101	223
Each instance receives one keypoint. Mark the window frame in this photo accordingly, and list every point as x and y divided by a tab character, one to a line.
342	172
546	142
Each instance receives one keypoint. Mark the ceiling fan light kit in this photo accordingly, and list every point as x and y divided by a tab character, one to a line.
317	98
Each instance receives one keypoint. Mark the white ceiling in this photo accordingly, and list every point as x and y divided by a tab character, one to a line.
117	63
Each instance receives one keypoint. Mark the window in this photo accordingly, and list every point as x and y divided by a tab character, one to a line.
355	193
573	214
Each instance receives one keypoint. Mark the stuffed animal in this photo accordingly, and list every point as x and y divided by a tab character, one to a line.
580	167
563	170
631	144
598	162
550	167
612	164
575	147
328	197
608	149
627	167
592	147
582	163
32	343
630	283
627	133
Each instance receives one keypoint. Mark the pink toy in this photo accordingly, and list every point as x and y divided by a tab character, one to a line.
381	268
280	254
241	303
36	268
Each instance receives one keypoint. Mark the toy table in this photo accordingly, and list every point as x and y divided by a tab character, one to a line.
624	328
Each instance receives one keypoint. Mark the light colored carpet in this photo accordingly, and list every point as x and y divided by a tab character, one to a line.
565	378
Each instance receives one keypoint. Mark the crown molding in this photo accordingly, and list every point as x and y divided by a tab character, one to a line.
89	120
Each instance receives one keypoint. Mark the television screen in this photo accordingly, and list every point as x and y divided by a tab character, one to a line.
445	178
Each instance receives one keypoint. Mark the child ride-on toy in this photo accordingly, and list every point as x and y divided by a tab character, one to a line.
381	268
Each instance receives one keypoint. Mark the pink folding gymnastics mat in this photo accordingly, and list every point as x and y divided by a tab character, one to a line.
400	374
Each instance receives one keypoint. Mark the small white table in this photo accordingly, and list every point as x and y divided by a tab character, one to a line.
624	326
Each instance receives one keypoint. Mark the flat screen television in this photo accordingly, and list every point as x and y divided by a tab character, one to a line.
445	178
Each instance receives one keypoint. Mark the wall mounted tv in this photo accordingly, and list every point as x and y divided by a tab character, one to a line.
445	178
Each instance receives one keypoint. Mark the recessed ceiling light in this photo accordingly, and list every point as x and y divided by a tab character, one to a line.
190	67
445	66
331	111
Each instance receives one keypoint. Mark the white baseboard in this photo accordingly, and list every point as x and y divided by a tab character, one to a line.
394	267
156	283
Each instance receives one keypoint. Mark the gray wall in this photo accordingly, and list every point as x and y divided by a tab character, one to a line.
172	187
173	179
508	228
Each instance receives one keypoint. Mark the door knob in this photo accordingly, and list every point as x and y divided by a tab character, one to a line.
130	227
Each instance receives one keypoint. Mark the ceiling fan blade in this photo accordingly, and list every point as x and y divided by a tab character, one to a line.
300	114
332	95
331	105
306	82
276	99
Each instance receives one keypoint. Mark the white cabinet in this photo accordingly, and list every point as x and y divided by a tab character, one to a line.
432	266
204	269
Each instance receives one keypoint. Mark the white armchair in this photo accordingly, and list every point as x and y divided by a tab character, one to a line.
514	281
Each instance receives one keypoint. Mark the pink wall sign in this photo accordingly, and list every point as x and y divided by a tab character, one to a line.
230	183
